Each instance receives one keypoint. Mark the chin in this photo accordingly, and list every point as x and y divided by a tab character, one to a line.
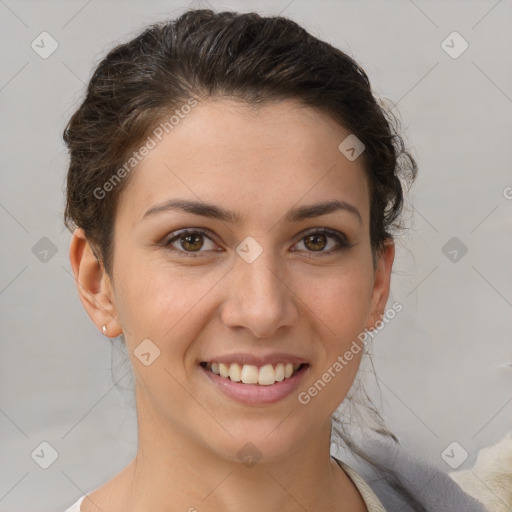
262	441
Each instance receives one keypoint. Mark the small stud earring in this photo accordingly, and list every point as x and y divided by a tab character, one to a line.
104	330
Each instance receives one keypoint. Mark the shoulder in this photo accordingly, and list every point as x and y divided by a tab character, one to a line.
408	482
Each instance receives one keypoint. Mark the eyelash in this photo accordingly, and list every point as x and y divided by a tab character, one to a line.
339	237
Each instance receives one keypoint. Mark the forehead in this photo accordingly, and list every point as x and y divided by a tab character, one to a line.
258	161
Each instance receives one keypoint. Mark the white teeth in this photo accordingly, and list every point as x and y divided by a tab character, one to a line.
235	372
279	372
265	375
223	369
249	374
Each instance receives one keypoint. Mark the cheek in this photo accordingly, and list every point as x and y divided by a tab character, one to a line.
167	304
341	299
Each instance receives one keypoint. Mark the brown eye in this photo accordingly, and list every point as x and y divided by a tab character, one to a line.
323	241
315	242
192	242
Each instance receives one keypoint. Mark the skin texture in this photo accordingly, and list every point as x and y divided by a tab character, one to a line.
259	163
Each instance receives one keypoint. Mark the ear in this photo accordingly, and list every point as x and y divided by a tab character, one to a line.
382	279
94	287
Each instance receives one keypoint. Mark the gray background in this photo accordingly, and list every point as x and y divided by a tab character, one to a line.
444	363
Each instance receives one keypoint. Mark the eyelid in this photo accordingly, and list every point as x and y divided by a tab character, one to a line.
185	231
325	231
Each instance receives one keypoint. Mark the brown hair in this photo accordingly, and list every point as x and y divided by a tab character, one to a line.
201	55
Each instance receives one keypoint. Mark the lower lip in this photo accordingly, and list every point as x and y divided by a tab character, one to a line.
256	394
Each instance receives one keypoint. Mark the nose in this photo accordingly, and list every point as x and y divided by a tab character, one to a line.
259	297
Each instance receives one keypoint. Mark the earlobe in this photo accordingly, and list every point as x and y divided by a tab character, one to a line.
93	285
382	282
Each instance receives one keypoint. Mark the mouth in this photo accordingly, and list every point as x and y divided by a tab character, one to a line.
255	385
264	375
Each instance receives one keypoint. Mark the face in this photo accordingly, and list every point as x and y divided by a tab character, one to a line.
243	239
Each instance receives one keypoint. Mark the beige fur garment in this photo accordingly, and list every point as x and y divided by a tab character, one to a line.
490	479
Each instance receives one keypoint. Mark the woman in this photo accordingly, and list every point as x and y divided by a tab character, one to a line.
233	190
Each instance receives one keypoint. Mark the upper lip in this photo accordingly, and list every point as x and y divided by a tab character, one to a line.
257	360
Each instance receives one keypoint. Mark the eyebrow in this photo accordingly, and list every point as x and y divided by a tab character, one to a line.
216	212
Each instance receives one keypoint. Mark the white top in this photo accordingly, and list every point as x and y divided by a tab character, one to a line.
373	504
76	506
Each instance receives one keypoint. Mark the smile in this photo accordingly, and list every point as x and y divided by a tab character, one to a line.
255	384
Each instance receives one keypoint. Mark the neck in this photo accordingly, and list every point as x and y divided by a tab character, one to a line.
172	468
